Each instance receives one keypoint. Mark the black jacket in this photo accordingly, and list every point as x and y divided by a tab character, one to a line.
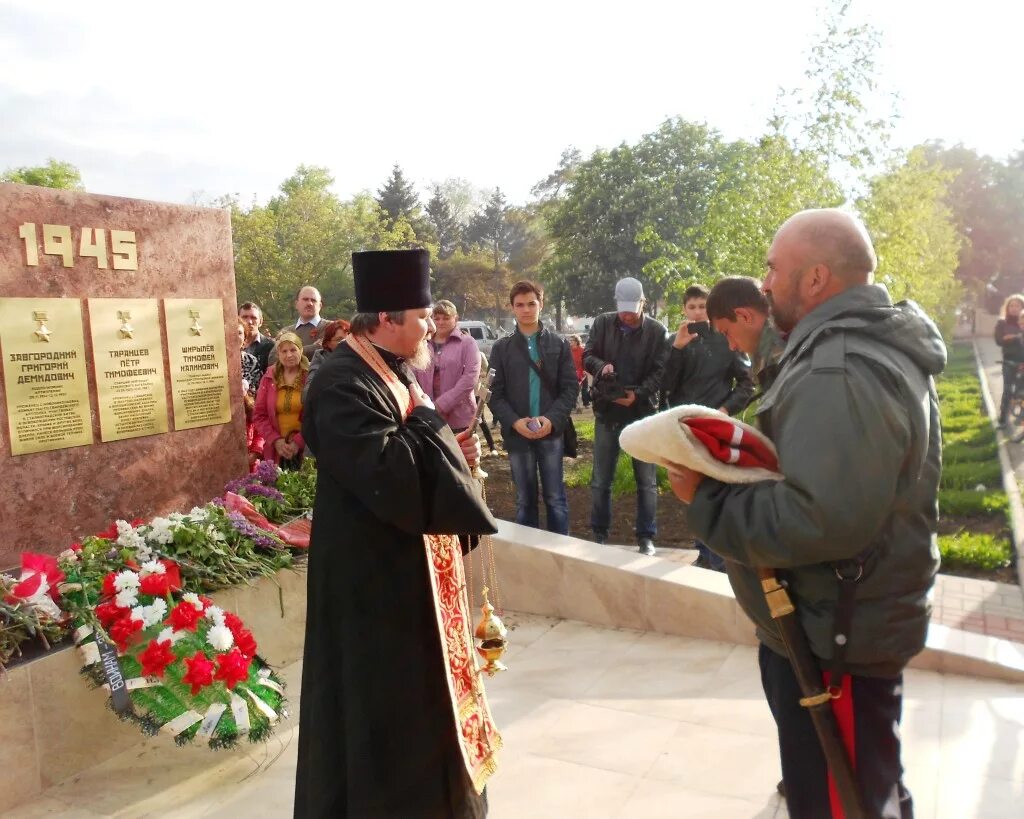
1013	350
639	359
708	373
510	391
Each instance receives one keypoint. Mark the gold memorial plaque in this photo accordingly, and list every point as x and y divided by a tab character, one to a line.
199	364
129	363
45	380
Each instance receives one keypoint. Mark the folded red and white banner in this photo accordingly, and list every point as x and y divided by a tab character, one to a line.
705	440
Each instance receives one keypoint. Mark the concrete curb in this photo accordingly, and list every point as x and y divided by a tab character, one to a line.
1010	485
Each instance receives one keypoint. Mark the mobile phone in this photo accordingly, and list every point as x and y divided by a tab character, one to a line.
533	425
701	328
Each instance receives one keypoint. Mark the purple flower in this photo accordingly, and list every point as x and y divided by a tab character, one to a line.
218	502
264	491
254	533
266	473
236	486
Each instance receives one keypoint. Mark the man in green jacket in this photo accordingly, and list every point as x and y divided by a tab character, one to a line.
854	415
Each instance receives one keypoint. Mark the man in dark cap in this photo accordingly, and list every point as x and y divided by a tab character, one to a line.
394	722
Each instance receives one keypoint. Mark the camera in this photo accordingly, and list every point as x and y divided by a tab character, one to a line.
608	388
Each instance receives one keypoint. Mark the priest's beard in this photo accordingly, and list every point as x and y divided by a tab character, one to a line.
420	360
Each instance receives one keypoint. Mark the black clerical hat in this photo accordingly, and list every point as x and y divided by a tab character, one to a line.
391	280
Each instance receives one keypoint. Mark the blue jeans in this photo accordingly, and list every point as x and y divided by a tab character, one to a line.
711	560
606	455
544	456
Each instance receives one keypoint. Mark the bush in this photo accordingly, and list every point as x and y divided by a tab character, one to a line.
954	502
974	551
969	475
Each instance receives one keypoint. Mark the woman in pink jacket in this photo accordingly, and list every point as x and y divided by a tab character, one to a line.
278	412
451	380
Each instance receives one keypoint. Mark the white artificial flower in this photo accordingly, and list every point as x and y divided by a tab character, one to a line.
198	513
216	614
155	612
126	579
193	598
161	530
139	613
170	635
220	637
127	598
153	567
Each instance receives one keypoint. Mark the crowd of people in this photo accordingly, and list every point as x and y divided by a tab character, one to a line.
843	382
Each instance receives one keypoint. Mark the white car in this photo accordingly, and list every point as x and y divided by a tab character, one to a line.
481	333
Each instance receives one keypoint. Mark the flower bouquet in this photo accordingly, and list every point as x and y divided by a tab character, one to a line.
28	606
176	664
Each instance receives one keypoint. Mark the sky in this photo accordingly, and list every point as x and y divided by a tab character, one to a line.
188	101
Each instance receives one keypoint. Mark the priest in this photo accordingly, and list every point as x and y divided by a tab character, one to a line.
394	719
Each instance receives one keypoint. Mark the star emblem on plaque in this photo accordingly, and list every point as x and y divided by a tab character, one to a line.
42	332
126	330
196	329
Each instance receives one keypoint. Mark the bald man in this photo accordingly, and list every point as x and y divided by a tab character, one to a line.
854	415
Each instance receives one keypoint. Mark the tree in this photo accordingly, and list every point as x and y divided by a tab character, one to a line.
915	234
760	186
491	231
987	199
53	174
835	115
446	230
633	211
306	236
397	199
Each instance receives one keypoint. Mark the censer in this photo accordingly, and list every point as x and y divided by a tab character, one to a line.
490	633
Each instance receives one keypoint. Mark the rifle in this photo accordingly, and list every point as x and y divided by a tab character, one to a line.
817	699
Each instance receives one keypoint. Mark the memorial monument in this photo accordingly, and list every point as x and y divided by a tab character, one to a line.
119	396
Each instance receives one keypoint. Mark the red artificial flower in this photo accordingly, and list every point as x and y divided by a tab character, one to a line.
173	574
184	616
233	622
232	667
156	658
76	547
110	533
34	569
110	612
155	584
124	632
246	642
200	672
109	589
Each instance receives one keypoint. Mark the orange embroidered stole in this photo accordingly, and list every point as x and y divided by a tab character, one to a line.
479	739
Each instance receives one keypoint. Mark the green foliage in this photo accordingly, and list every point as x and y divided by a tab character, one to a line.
986	197
447	232
974	551
915	235
306	236
833	115
53	174
965	453
957	502
624	483
399	202
968	475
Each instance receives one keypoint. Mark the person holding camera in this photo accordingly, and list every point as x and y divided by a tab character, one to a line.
626	354
702	370
532	396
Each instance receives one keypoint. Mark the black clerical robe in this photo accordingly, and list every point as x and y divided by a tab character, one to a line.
377	735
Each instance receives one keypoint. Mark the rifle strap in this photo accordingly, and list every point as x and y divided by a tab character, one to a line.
849	574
